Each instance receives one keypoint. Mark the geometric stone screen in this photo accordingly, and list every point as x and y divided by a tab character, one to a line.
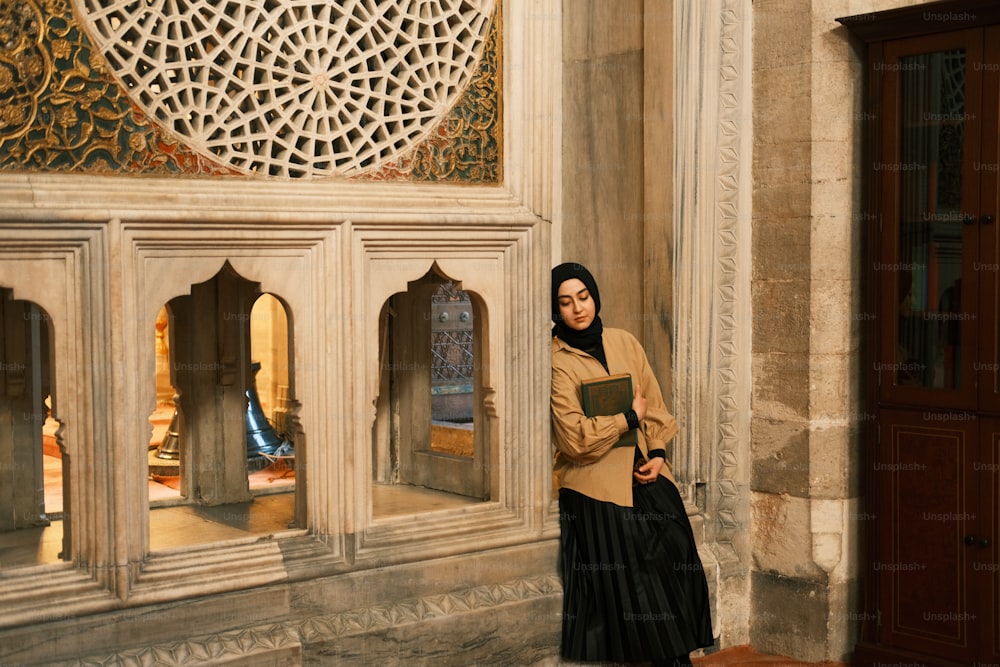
282	88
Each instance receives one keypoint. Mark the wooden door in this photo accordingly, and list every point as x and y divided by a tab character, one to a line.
934	477
982	542
928	506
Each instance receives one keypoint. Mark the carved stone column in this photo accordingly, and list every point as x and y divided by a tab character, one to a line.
711	250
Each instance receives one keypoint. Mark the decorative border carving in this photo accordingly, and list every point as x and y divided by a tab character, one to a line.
415	610
734	267
712	223
217	649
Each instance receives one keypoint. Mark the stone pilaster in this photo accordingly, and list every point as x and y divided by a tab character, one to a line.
806	298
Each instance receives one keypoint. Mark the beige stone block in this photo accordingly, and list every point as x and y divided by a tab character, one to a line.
781	247
777	203
834	241
780	456
836	110
833	461
832	167
831	315
781	104
833	532
826	517
845	619
782	162
781	316
780	388
731	614
781	536
597	28
830	40
832	389
781	33
789	616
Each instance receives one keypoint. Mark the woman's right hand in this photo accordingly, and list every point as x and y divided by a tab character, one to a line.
639	403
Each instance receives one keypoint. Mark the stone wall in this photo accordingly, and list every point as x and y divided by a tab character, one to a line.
637	153
806	450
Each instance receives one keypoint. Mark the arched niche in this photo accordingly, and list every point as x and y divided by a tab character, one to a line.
433	430
33	458
219	338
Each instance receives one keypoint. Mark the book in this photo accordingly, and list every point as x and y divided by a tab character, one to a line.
609	395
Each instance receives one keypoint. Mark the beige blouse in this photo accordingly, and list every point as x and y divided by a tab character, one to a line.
584	459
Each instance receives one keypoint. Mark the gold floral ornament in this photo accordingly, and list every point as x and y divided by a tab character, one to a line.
61	111
24	66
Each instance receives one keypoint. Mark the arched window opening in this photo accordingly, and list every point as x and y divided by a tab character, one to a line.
431	435
222	451
33	458
164	444
270	417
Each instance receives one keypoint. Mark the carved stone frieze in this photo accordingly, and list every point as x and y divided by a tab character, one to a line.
286	642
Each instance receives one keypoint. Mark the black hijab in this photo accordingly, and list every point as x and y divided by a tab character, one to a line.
589	340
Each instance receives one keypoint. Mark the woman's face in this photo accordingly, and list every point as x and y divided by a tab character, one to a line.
576	306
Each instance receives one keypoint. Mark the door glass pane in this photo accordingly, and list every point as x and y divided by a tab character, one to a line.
931	219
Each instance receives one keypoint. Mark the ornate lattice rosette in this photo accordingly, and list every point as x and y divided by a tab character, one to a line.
293	87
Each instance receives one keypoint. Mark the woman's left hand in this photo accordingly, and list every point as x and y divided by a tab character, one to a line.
649	472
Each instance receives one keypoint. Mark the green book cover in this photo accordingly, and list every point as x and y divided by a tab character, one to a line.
610	395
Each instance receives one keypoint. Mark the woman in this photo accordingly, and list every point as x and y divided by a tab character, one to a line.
633	586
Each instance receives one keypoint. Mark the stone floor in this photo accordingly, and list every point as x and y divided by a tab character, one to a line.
744	655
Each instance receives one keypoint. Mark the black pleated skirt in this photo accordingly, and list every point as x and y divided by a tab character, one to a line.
633	585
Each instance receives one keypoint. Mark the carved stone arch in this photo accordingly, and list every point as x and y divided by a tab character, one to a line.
404	449
286	309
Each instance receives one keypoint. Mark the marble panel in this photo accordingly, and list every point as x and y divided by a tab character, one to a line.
595	28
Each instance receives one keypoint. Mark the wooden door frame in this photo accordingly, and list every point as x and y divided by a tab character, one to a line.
873	30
